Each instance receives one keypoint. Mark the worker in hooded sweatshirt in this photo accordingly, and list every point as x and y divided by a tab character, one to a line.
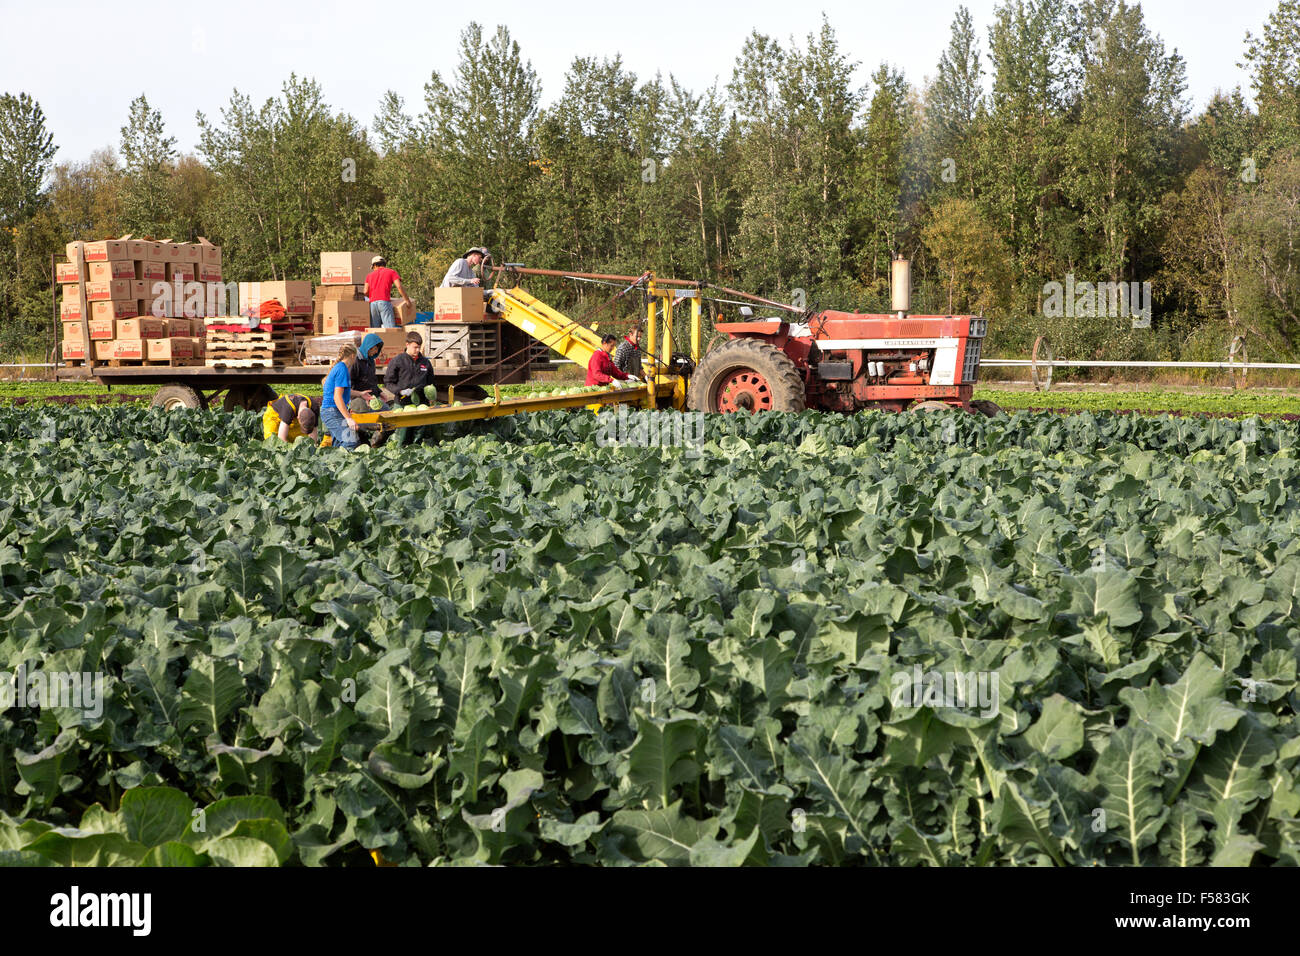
365	383
365	380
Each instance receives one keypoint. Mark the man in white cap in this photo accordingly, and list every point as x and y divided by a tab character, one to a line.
461	272
379	285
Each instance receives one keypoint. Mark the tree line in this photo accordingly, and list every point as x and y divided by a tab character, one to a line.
1059	148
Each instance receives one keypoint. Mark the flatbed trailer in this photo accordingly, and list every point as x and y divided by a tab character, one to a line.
200	386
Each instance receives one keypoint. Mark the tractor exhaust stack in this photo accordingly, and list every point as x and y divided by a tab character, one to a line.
900	286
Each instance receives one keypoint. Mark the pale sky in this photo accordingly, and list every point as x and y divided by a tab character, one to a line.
84	62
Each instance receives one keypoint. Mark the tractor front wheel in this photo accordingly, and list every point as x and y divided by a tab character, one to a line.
746	375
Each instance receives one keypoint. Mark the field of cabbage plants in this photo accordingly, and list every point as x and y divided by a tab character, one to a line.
799	640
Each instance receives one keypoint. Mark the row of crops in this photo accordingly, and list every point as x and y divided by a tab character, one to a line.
780	640
1227	402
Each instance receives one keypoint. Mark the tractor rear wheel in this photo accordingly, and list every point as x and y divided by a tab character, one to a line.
930	406
746	375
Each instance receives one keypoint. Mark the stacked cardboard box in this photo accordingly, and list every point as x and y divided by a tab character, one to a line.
340	304
134	292
460	304
340	308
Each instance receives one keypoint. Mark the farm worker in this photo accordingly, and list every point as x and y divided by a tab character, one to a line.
628	354
408	374
601	370
379	285
365	380
289	417
410	377
461	272
334	411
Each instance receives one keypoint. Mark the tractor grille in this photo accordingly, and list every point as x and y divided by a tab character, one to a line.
970	369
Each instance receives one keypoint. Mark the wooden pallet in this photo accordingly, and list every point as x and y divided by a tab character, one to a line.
238	363
256	345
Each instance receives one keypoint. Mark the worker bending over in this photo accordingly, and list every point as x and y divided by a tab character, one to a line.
601	370
289	417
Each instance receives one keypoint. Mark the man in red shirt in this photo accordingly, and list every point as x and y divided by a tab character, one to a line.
601	370
379	284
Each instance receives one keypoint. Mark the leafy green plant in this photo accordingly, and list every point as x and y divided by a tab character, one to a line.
521	646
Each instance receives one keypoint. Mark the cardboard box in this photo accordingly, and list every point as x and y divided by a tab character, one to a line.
72	305
461	304
113	269
190	253
120	349
159	306
344	268
114	309
180	270
208	253
209	272
74	350
68	272
101	330
394	344
172	251
138	249
339	317
405	314
294	296
182	327
153	251
153	270
112	289
103	251
72	333
172	347
141	328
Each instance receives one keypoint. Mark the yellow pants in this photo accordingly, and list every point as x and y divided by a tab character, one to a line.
271	425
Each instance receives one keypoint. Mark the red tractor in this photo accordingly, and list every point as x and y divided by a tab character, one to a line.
841	361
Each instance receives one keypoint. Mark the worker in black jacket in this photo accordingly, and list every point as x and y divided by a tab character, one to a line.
409	377
408	374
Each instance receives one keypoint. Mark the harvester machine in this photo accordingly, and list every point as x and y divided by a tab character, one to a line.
792	361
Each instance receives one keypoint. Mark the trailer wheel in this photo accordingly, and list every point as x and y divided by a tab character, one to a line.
171	397
746	375
986	408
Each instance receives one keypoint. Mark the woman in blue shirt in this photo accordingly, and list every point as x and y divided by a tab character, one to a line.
334	411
